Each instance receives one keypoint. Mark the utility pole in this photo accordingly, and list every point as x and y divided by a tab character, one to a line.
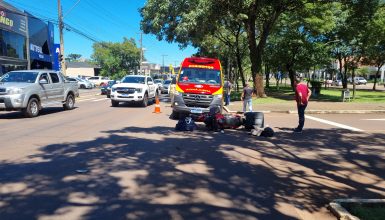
164	69
141	53
61	26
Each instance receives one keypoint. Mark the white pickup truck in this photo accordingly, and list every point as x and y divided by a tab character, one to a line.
31	90
134	88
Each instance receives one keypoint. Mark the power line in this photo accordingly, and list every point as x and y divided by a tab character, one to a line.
71	8
70	26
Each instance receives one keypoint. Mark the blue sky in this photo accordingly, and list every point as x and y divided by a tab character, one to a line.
105	21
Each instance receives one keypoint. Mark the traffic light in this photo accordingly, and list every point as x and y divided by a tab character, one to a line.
61	57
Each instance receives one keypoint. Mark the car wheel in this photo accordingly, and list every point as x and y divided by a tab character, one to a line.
114	103
145	100
108	96
69	103
82	86
32	109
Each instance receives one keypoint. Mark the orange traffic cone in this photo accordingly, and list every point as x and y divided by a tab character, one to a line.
157	106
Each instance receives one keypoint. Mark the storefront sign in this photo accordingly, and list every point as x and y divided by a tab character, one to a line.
13	21
36	48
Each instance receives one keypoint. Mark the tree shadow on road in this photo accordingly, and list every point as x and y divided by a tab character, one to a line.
157	173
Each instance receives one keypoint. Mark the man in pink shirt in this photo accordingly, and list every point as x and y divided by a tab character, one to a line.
302	95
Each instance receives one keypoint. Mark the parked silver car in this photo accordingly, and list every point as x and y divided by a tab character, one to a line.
31	90
165	86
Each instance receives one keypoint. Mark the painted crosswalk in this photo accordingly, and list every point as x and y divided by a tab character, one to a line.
92	98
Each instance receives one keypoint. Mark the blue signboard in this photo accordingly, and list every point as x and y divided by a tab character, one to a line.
51	42
55	55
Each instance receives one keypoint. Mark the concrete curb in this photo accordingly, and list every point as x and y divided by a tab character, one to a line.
340	111
341	213
314	111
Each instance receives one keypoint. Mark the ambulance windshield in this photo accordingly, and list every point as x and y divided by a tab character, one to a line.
200	76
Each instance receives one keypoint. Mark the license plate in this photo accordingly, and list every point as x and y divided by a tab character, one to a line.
125	95
196	110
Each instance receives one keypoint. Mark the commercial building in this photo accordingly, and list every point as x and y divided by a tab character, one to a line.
26	42
82	69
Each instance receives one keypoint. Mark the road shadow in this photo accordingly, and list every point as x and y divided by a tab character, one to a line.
45	111
157	173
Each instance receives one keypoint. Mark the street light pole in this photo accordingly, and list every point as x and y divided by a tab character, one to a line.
141	53
61	25
164	69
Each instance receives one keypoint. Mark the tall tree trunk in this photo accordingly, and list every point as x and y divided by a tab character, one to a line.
289	68
267	76
354	83
256	51
255	55
376	76
340	70
239	64
345	74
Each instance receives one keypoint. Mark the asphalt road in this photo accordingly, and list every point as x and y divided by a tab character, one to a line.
100	162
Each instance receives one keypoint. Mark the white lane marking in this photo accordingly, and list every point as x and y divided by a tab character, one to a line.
333	123
98	100
375	119
82	100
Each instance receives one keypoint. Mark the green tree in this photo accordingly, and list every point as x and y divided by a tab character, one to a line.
73	57
297	42
351	35
188	22
229	44
356	29
375	53
117	59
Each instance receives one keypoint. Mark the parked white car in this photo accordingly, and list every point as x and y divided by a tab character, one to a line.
159	82
82	84
337	82
134	88
98	80
360	80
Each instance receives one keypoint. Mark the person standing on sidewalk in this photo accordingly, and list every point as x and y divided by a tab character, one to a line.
227	91
246	97
302	95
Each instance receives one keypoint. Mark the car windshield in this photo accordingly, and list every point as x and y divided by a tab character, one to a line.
26	77
167	82
200	76
133	79
110	83
158	81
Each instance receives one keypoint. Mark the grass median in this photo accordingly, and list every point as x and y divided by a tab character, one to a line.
331	94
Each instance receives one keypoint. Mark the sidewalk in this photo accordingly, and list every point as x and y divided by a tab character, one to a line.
314	107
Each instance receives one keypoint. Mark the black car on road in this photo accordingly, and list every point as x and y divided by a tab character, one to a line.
106	88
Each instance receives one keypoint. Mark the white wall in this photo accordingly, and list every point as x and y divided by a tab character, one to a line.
80	71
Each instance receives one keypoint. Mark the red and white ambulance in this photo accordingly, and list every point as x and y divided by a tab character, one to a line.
199	86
